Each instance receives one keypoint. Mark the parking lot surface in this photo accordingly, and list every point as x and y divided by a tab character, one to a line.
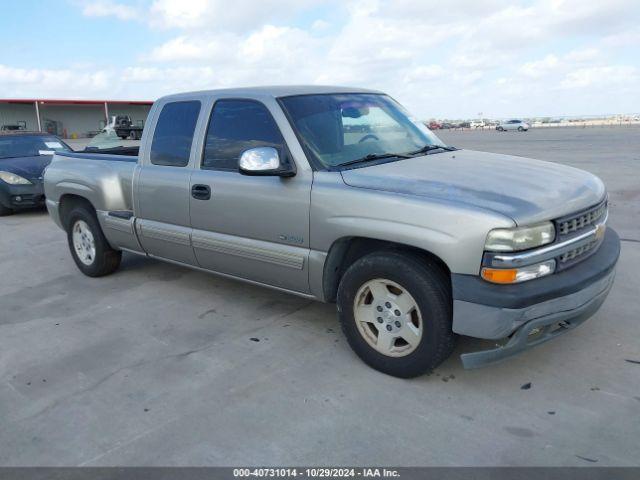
161	365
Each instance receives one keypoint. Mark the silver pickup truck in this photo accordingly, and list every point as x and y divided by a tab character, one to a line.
340	195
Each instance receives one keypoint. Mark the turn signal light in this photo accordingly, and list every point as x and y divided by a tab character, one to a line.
517	275
498	275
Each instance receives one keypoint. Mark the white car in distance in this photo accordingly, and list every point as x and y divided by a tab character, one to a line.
518	125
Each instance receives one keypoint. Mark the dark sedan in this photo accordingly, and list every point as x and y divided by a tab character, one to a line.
23	158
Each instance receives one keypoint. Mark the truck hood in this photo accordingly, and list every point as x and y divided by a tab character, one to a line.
523	189
30	168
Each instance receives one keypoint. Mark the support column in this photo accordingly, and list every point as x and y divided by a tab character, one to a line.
38	116
106	113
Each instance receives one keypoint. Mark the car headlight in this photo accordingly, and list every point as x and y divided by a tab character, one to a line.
520	238
13	179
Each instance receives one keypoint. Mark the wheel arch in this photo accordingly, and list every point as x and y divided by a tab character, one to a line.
347	250
68	202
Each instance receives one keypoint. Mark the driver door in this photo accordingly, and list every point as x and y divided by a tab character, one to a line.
253	227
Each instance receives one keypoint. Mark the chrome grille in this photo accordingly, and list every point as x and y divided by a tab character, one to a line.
575	223
576	253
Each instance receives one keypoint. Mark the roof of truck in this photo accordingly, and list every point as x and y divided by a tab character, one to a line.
277	91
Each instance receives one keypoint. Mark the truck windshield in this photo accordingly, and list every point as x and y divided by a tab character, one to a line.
340	129
14	146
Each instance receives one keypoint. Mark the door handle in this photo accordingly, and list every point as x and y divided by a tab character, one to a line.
201	192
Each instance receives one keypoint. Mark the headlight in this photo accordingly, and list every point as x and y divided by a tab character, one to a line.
517	275
519	238
13	179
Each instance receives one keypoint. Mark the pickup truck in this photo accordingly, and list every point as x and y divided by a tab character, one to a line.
124	127
340	195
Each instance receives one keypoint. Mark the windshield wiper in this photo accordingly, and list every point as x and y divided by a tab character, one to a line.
374	156
428	148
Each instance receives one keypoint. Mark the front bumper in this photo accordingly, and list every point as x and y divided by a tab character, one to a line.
527	314
18	197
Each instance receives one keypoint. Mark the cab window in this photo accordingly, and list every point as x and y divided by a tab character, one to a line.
173	135
236	126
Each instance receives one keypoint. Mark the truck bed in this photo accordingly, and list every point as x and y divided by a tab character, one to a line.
106	180
130	152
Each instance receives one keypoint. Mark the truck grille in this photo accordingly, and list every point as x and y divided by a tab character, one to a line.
578	221
577	255
578	236
572	225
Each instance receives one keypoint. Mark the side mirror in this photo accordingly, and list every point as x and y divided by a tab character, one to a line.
263	161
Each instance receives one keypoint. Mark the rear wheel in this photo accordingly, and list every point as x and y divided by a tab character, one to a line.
395	310
89	248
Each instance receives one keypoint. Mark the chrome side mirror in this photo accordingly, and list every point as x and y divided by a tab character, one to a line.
263	161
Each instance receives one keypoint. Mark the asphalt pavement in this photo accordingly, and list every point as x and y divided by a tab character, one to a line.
162	365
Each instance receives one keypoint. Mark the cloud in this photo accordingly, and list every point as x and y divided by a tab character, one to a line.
625	38
520	57
30	81
182	14
582	55
539	68
424	73
222	14
608	76
184	48
105	8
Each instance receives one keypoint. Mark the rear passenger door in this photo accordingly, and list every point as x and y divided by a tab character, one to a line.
163	193
252	227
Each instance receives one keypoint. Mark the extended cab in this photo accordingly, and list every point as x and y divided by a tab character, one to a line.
339	195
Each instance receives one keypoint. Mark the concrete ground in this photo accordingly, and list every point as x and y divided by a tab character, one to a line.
161	365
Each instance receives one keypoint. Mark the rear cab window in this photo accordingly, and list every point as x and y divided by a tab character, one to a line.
173	135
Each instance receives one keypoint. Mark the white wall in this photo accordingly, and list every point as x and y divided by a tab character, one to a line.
12	113
75	120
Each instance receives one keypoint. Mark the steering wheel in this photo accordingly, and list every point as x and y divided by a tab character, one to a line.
368	137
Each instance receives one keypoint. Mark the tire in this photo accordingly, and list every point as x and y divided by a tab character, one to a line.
429	288
500	129
100	261
520	129
4	211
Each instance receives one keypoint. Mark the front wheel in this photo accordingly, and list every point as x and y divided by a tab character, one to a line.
395	310
89	248
500	129
4	211
520	129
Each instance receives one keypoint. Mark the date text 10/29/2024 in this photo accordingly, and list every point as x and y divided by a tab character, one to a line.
315	472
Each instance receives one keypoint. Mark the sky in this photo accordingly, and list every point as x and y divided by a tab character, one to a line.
441	59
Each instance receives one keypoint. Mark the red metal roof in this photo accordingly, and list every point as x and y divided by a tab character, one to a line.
52	101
